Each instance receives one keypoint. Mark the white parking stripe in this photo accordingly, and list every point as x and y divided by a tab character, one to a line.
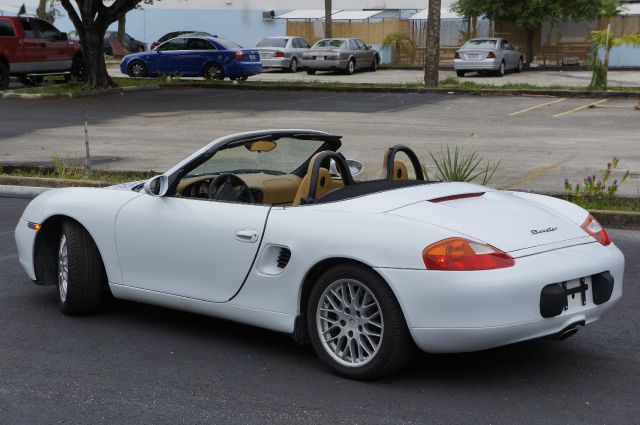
579	108
513	114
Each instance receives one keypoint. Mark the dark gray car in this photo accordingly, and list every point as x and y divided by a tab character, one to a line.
340	54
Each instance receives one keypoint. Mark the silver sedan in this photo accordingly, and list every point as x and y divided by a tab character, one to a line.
495	55
282	52
340	54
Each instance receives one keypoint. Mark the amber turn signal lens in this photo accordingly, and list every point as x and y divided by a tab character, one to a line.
464	255
34	226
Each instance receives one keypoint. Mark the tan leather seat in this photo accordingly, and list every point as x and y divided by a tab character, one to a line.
400	171
325	182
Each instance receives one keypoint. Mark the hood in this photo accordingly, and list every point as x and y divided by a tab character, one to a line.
501	219
126	186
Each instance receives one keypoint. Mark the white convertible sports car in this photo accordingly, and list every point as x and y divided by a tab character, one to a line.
256	228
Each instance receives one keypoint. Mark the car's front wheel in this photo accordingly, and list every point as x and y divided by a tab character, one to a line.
460	73
81	279
500	71
293	65
351	67
137	69
356	325
520	66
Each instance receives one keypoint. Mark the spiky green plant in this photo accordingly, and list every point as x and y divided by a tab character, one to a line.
399	43
460	166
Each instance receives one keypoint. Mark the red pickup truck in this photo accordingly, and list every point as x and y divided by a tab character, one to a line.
31	48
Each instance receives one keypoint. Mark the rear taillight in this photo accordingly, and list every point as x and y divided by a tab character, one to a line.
278	55
456	55
239	55
459	254
491	55
592	227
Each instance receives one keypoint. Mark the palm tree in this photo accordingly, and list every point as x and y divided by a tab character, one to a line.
328	23
606	40
432	48
400	43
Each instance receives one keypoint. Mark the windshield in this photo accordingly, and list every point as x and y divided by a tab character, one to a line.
287	156
227	44
324	44
273	42
480	44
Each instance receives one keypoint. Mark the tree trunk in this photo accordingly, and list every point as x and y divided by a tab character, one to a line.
93	51
41	11
122	23
607	49
530	37
328	23
432	50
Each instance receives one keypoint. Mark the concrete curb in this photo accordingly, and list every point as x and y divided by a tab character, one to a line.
18	181
101	92
612	219
364	88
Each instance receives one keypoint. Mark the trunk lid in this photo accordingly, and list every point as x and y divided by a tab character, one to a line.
498	218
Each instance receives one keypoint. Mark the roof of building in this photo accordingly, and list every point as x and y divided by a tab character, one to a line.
305	14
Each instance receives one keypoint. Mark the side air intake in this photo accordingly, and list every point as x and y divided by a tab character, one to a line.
283	257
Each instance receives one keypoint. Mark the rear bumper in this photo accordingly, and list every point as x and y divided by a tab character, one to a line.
276	63
476	65
325	64
241	69
470	311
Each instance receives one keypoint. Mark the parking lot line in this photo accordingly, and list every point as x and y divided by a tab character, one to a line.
579	108
537	173
513	114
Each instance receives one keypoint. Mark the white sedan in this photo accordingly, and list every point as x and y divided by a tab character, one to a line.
256	228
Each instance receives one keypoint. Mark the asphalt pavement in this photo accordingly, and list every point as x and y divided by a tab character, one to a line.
134	364
539	141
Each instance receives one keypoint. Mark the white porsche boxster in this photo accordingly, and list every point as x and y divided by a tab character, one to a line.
270	228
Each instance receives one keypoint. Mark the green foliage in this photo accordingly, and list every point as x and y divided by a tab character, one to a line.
65	168
460	166
594	188
400	43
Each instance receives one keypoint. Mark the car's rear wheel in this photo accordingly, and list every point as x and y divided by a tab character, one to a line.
4	77
213	71
356	325
137	69
351	67
460	73
81	279
311	71
293	65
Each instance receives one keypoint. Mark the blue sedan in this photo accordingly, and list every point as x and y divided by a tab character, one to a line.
213	58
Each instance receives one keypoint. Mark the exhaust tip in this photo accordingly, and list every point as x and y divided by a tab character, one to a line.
568	333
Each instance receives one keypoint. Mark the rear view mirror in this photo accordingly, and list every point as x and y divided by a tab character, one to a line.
156	186
261	146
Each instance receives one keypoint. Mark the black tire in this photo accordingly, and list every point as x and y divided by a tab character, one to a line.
374	64
520	66
4	77
213	71
501	70
351	67
79	68
293	65
396	347
137	69
460	73
86	277
311	71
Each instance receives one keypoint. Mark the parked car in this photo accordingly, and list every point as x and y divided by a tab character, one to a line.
175	34
130	44
282	52
31	48
340	54
209	57
254	228
495	55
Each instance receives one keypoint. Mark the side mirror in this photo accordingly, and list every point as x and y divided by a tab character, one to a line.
62	36
157	186
368	47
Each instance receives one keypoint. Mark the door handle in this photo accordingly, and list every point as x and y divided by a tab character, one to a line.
247	235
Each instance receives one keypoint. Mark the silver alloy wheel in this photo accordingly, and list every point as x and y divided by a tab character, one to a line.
501	70
293	66
214	72
520	65
137	70
349	322
351	67
63	268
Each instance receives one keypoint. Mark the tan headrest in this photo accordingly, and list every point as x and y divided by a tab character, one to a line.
325	182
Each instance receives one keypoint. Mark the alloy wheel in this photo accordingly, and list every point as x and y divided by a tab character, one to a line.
350	323
293	66
137	70
63	268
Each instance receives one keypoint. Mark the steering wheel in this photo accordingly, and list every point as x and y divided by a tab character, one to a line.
230	187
